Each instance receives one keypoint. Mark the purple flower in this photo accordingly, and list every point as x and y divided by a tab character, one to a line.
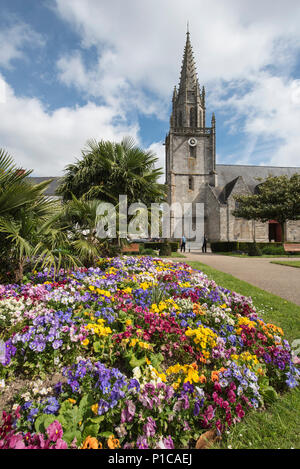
168	443
188	387
52	407
128	412
142	443
57	344
103	407
134	384
150	427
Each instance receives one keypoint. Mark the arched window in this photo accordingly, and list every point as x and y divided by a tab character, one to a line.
193	152
191	183
180	121
192	117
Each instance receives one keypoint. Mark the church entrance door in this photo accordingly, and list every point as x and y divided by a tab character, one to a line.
275	231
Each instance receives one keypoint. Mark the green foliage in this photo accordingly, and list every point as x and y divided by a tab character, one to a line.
165	249
108	169
254	250
277	198
148	252
236	246
273	249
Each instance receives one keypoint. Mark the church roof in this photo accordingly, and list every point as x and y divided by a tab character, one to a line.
227	174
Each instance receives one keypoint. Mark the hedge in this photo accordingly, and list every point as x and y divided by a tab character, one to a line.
231	246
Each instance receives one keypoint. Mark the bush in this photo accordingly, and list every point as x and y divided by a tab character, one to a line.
273	250
165	249
174	246
148	252
254	250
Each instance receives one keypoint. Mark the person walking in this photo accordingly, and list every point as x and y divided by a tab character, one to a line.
183	243
204	245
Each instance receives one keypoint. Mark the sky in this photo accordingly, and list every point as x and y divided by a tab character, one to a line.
72	70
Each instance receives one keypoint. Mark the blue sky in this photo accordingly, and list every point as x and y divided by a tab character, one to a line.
77	69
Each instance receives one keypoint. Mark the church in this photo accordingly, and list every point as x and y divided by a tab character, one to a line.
193	175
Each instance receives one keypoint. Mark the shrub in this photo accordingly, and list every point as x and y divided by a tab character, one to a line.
148	252
165	249
273	249
254	250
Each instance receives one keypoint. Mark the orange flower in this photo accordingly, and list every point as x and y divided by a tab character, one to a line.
202	379
113	443
215	376
91	443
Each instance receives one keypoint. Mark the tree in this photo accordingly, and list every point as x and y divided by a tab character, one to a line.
108	169
15	189
277	198
31	231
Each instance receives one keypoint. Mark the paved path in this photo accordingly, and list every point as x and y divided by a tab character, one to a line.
278	279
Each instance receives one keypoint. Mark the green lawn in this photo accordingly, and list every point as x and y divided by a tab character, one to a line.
288	263
279	425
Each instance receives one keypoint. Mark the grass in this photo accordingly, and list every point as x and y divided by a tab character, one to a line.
279	425
288	263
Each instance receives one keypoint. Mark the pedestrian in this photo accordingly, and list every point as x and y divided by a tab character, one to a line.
204	243
183	242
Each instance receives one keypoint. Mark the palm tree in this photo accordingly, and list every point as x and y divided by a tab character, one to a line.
30	226
15	189
108	169
82	216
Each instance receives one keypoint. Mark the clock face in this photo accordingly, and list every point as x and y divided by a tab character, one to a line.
192	142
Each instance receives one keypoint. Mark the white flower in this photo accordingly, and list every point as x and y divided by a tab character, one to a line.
137	372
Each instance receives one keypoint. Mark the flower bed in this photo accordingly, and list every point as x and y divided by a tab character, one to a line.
136	353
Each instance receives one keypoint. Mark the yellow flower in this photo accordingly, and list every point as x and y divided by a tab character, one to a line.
85	342
95	409
72	401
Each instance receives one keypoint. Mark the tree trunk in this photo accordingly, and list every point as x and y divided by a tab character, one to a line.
20	271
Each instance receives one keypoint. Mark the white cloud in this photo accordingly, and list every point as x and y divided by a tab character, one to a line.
13	39
159	150
271	113
249	50
143	41
47	142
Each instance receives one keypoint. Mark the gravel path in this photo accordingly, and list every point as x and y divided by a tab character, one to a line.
281	280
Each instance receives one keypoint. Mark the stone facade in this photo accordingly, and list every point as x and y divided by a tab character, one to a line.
192	175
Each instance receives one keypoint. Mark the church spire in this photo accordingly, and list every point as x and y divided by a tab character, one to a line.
188	76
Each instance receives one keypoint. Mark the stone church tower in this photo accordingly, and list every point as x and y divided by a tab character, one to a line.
190	145
193	175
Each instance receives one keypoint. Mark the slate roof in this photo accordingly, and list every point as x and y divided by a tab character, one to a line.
227	178
226	173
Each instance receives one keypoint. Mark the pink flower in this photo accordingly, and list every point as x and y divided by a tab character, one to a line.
209	413
16	442
55	431
231	396
60	444
240	412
